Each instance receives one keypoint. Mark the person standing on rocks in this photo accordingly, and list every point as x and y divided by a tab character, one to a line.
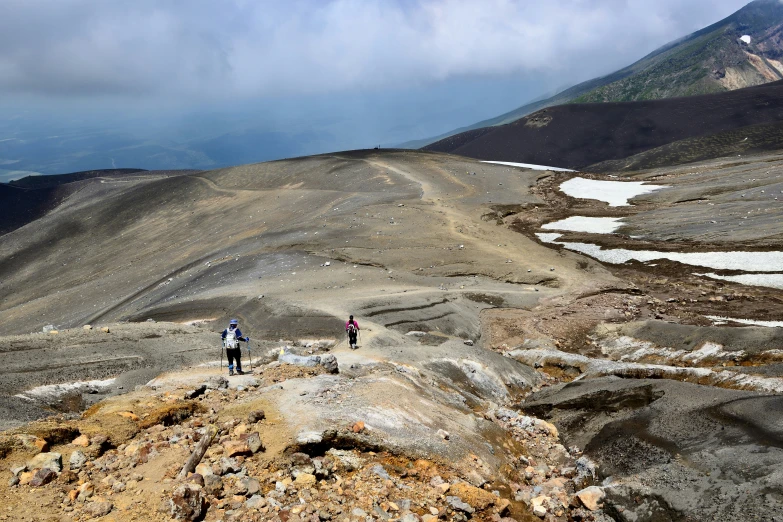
231	337
352	327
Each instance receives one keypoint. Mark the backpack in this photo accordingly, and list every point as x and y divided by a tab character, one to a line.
351	328
231	338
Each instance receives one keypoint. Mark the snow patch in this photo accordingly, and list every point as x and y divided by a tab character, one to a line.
736	260
616	193
53	391
768	280
746	38
716	319
529	166
594	225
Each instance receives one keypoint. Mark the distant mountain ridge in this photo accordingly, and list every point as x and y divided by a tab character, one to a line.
580	135
713	59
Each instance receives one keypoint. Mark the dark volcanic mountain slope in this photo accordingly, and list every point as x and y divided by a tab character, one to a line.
578	135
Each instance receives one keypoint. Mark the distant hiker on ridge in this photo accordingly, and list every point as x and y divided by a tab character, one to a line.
352	327
231	337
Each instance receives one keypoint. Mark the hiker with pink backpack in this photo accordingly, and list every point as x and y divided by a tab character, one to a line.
352	327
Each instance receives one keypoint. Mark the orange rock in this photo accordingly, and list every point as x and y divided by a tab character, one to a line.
478	498
358	427
25	477
41	444
236	447
81	440
73	494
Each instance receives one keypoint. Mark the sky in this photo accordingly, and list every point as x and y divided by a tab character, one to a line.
331	73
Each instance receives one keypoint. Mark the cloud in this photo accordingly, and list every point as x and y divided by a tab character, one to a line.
242	48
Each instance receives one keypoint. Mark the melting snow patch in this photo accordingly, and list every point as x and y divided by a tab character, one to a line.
616	193
762	261
595	225
723	320
52	391
768	280
746	38
529	166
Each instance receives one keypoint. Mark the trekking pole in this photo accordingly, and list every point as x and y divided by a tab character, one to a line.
222	346
249	356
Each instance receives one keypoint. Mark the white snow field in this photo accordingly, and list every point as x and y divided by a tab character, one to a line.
616	193
768	280
529	166
770	324
594	225
761	261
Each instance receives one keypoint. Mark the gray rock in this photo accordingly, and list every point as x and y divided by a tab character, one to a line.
16	470
300	360
467	342
185	503
416	333
358	512
77	460
255	416
348	459
216	382
98	509
457	504
309	437
329	362
378	470
213	485
13	481
410	517
53	461
248	486
48	328
228	465
255	502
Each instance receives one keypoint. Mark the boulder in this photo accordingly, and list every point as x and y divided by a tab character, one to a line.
248	486
232	448
186	502
228	465
81	440
476	497
591	497
458	505
255	416
42	477
216	382
53	461
253	441
77	460
98	509
300	360
213	485
329	362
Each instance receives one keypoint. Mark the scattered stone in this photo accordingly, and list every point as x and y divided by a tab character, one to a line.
309	437
87	327
216	382
358	427
468	342
53	461
253	442
48	328
476	497
228	465
81	440
590	497
255	502
213	485
105	329
85	491
416	333
329	362
77	460
42	477
98	509
255	416
186	503
443	434
458	505
232	448
378	470
305	480
248	486
13	481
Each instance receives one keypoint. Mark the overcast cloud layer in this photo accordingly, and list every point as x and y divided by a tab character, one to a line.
207	50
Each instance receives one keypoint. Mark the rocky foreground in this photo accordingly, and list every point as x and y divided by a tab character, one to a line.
136	456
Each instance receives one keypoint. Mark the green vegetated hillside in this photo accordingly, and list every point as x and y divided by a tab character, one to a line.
711	60
714	59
